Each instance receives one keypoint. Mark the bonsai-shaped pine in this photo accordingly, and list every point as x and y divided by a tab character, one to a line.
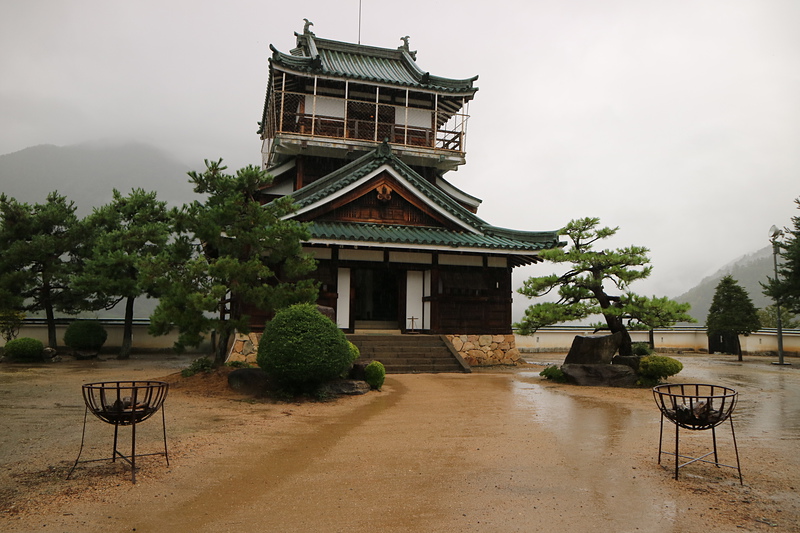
301	349
583	290
732	313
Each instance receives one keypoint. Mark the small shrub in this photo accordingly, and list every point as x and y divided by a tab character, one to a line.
355	353
654	368
553	373
10	322
301	348
203	364
642	348
238	364
89	335
24	349
375	374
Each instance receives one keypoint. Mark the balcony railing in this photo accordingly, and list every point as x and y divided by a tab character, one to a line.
365	121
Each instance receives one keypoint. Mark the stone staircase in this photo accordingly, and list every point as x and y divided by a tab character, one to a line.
410	354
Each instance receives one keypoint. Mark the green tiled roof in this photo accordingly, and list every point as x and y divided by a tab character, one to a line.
476	233
369	63
415	235
362	166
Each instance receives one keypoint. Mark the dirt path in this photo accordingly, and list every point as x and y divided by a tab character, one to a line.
492	451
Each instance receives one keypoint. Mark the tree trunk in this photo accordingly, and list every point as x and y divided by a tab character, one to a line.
738	348
127	330
221	348
625	344
52	338
615	325
652	338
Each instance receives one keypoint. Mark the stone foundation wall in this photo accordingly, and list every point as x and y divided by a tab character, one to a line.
245	348
486	350
476	350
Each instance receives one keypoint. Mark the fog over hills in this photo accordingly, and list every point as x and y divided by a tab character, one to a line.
749	271
87	173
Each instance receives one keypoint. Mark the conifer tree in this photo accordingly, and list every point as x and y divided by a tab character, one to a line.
229	251
786	289
39	251
583	289
732	313
124	235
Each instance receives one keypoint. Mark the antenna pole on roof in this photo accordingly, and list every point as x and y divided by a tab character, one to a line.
359	21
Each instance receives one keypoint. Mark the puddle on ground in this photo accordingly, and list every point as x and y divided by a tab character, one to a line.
573	417
768	405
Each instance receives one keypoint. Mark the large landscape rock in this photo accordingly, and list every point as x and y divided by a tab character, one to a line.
248	380
600	375
346	386
593	349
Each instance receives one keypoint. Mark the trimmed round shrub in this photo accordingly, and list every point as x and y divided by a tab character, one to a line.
301	348
355	353
375	374
24	349
657	367
88	335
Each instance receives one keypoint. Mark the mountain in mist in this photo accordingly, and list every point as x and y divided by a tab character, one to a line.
87	173
749	271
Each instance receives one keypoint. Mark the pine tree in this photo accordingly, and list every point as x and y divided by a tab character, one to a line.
229	251
39	252
582	290
786	289
732	313
123	235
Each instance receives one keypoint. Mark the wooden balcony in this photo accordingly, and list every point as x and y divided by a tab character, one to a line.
370	130
347	119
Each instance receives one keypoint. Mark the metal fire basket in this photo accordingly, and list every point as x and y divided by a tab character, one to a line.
696	407
124	403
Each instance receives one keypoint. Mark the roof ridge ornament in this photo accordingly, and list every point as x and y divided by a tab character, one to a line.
307	26
384	150
406	49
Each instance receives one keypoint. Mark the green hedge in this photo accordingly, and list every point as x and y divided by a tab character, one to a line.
301	348
87	335
654	368
24	349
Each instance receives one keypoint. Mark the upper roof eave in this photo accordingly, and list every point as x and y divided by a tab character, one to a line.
313	53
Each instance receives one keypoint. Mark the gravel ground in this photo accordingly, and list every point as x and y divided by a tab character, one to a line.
498	450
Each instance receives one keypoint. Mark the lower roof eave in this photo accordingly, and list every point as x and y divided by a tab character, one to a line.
520	257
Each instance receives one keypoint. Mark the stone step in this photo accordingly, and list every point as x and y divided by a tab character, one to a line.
409	353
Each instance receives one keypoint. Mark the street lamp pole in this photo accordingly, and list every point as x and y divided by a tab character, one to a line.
775	233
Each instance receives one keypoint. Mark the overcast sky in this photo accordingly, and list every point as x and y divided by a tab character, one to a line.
678	121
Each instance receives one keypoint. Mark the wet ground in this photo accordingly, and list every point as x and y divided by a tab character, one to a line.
498	450
768	402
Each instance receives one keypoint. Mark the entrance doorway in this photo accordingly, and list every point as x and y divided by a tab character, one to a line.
376	300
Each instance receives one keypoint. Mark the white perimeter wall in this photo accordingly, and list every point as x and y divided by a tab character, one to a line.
559	339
